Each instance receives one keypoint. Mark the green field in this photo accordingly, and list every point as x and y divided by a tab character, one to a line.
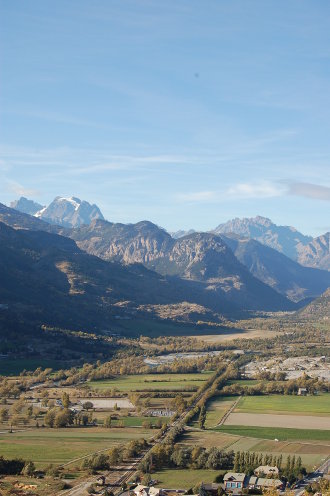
216	408
138	421
149	382
317	405
282	434
59	446
183	479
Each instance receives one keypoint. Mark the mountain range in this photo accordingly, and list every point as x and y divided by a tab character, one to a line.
226	288
307	251
284	239
208	276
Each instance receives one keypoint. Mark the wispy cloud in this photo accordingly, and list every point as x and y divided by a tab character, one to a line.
262	189
309	190
20	190
239	191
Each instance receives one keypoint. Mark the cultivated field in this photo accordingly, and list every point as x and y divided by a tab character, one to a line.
149	382
280	433
273	420
183	479
302	405
216	409
58	446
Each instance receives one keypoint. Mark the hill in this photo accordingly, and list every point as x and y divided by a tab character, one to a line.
319	309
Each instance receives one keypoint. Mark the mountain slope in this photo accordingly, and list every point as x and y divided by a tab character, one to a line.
319	309
278	271
282	238
48	279
19	220
200	257
316	253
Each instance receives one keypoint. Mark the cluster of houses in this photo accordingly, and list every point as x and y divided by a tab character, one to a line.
265	477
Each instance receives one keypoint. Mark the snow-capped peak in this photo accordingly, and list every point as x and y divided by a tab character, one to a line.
74	201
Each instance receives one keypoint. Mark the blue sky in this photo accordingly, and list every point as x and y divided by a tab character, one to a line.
184	112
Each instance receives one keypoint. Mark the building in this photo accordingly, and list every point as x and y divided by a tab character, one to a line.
302	392
141	490
262	483
233	481
266	471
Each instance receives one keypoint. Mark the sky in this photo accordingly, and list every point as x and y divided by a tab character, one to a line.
183	112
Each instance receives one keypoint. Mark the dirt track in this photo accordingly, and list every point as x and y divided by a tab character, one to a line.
273	420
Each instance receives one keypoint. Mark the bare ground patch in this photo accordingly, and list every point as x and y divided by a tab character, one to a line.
272	420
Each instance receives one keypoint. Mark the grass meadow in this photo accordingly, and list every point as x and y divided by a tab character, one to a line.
149	382
303	405
59	446
183	478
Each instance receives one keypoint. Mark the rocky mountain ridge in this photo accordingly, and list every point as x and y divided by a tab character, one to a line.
201	257
316	253
65	212
284	239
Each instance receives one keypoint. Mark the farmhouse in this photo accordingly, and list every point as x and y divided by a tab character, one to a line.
302	392
233	481
262	483
266	471
141	490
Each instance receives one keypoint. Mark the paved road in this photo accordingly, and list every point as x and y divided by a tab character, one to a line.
314	477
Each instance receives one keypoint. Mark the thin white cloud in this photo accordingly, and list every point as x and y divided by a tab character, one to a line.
239	191
263	189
